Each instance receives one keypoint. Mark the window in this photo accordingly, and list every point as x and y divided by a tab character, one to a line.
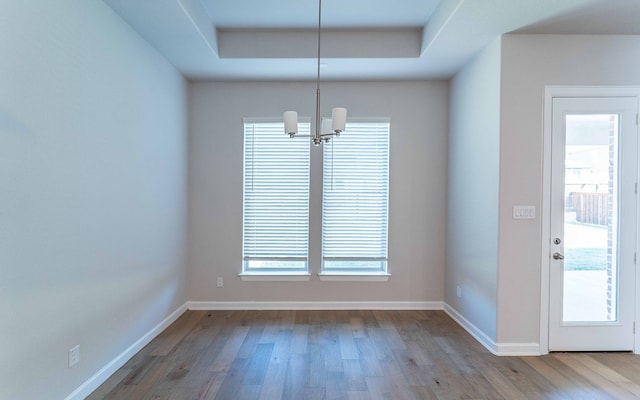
276	199
355	200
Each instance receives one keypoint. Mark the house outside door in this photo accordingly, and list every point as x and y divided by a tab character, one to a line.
592	222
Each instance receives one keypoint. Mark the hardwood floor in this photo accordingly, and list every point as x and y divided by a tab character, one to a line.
307	355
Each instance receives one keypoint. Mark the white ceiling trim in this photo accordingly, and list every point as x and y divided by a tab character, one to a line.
278	39
195	12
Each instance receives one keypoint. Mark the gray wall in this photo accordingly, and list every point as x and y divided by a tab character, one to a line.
473	190
418	112
495	162
93	185
529	62
92	192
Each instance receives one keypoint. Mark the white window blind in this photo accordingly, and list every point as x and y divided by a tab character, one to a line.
276	198
355	199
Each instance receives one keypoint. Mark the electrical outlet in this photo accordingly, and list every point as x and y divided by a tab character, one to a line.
220	282
74	356
459	291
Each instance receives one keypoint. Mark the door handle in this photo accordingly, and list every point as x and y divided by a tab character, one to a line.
558	256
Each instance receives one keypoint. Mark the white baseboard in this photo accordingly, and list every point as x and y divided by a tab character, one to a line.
517	349
315	305
101	376
498	349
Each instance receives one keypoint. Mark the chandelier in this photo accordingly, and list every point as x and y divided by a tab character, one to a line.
328	129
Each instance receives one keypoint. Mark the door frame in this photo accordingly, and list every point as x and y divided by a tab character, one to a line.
550	93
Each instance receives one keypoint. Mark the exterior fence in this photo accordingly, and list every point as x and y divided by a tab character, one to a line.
590	208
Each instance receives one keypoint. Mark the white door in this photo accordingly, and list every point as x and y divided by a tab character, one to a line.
593	223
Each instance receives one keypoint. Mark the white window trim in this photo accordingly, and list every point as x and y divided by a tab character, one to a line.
346	274
305	276
274	276
354	277
272	271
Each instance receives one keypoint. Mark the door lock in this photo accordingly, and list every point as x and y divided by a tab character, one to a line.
558	256
557	241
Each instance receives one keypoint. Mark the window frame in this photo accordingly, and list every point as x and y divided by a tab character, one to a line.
346	272
272	125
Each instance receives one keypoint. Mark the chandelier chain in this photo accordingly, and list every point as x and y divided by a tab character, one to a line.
316	138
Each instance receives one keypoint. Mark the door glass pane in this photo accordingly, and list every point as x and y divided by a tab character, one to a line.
591	218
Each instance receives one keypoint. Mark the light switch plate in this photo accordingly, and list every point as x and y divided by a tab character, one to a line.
524	212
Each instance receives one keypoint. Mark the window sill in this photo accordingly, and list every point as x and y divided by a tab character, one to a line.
354	277
274	277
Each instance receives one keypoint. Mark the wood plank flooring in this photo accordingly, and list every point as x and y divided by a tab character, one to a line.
352	355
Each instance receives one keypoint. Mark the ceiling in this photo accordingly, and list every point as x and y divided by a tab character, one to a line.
361	39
